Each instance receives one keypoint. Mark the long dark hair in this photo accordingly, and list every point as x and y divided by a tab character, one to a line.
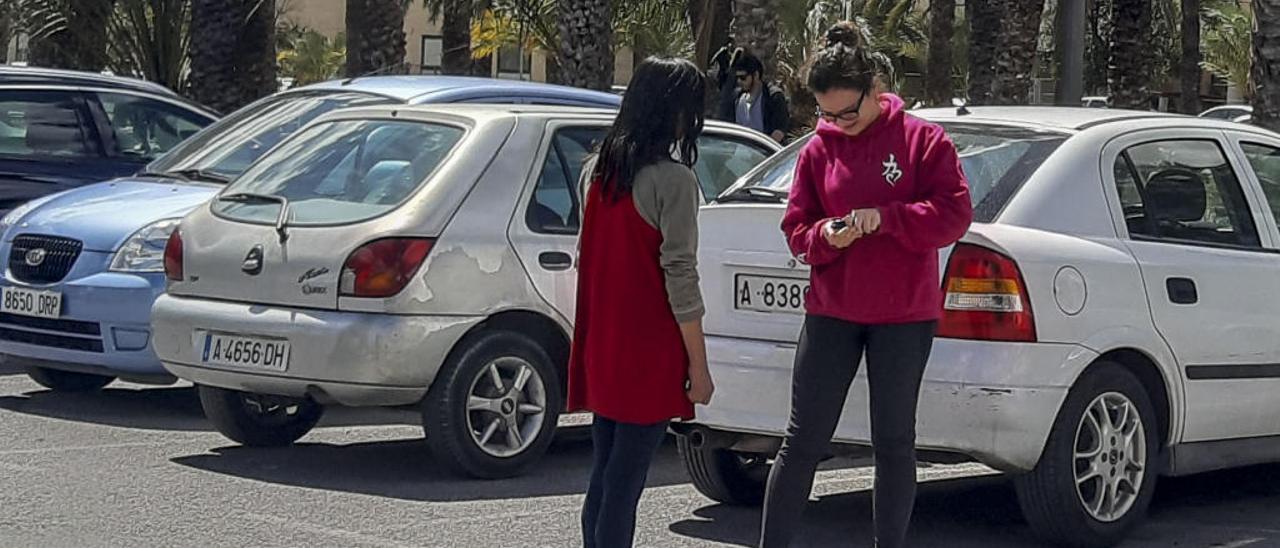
847	61
662	113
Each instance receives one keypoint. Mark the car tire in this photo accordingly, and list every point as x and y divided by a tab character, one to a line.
725	476
1081	493
256	420
481	419
68	381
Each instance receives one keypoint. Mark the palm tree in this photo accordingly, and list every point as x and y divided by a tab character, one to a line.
7	16
313	57
755	27
1266	66
938	89
1015	56
1130	56
455	18
375	37
233	57
984	34
710	20
1189	67
68	33
1228	45
586	43
150	39
654	27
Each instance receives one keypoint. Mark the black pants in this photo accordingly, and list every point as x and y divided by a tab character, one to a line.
623	453
826	362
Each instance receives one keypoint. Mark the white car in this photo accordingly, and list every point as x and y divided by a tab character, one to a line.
1228	112
1113	315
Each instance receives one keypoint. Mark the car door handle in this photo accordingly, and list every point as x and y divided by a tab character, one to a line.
1182	291
555	260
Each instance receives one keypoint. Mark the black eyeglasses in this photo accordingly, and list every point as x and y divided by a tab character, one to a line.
847	115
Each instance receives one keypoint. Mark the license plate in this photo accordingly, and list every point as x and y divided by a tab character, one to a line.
241	351
770	294
29	302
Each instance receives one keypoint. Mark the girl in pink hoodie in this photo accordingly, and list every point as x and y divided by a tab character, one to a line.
877	192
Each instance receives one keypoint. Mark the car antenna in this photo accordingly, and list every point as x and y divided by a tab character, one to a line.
376	72
961	109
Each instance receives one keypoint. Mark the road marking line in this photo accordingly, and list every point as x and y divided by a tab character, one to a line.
330	531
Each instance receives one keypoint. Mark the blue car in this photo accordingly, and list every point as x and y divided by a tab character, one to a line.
62	129
84	266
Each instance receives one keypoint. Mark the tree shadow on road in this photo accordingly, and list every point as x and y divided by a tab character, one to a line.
406	470
174	408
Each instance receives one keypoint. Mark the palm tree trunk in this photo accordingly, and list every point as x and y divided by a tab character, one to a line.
984	33
1130	61
6	29
233	56
455	30
1189	68
375	37
1016	51
586	43
755	27
1098	47
1266	64
938	88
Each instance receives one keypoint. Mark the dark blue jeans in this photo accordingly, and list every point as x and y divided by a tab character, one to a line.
623	453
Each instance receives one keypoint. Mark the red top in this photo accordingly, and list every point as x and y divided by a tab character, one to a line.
628	361
906	168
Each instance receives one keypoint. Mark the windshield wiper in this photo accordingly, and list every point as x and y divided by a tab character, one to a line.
200	175
755	194
252	198
163	175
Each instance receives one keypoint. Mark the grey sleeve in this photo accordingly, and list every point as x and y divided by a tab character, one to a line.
667	197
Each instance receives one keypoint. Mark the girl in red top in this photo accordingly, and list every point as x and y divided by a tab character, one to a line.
877	192
638	357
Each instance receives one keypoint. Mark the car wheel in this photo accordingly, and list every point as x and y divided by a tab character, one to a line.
728	477
492	410
259	420
1096	476
67	381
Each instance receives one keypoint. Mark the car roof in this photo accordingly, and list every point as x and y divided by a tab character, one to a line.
10	74
1048	117
413	88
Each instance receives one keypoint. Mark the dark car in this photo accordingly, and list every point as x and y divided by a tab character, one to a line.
62	129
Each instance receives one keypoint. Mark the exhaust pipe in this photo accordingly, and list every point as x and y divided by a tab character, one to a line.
701	437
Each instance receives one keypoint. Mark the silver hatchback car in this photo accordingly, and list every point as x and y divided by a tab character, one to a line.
393	256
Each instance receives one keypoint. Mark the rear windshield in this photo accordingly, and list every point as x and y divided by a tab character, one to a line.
227	147
997	160
340	172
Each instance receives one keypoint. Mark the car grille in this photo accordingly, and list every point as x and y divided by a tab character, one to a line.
59	255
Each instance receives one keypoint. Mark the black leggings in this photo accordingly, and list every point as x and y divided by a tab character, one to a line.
623	453
826	362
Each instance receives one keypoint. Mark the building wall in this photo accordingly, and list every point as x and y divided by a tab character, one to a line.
329	17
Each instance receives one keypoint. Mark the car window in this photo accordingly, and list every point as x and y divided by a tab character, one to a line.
1265	161
1226	113
145	128
230	145
1183	191
723	160
997	161
555	205
42	124
342	172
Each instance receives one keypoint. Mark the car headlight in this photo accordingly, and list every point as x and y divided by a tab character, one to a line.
15	215
144	251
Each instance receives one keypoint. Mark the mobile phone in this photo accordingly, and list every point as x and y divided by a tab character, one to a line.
839	224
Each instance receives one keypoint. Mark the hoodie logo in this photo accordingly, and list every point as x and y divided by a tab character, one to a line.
892	173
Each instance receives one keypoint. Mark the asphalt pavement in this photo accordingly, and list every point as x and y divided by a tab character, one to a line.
136	466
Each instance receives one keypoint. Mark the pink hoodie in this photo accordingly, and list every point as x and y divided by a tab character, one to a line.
906	168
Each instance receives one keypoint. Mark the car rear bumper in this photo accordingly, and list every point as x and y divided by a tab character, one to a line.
346	358
104	327
994	402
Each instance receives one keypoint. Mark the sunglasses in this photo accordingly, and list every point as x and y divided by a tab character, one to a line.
847	115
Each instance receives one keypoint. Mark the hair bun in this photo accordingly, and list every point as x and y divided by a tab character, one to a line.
844	33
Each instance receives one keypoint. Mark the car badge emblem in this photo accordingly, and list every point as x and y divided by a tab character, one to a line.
36	257
253	261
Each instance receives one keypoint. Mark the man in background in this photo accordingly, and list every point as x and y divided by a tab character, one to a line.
759	105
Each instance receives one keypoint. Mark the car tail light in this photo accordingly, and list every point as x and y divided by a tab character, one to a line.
986	298
173	257
382	268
